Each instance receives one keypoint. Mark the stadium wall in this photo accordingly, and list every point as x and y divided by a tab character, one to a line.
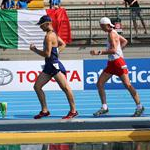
81	74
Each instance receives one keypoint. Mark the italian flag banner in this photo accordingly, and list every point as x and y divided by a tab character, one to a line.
18	28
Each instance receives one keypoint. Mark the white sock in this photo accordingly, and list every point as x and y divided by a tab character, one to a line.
139	106
105	106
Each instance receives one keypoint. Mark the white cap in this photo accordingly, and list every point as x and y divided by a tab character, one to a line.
106	20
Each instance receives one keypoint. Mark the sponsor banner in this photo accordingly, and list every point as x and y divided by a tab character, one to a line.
139	74
21	75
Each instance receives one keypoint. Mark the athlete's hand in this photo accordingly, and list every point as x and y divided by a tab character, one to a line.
94	52
33	47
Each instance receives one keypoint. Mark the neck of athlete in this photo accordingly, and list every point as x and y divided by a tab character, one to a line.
50	29
110	29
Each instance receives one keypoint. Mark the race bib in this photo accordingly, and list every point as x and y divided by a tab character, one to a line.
56	65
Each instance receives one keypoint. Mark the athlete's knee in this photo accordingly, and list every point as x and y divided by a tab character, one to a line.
100	85
66	88
131	89
128	85
36	87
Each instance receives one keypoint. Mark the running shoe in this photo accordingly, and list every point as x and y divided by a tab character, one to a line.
3	108
101	112
70	115
42	114
138	112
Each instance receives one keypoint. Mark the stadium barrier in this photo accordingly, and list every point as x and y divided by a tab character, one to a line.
85	23
81	74
85	28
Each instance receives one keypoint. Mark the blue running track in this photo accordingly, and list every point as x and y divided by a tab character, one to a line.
24	105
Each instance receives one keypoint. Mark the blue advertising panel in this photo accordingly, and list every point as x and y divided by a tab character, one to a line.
139	74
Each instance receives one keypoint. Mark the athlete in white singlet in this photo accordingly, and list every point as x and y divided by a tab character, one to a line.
115	66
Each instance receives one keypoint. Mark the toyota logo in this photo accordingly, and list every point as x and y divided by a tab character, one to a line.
6	76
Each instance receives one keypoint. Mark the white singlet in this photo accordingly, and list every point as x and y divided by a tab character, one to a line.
118	53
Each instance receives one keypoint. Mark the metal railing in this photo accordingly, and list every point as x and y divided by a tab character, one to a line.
85	23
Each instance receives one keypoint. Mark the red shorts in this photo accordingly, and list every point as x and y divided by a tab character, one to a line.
116	67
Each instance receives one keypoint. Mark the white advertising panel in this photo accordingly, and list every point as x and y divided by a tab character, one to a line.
21	75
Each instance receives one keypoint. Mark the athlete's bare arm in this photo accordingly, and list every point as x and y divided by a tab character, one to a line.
48	47
49	40
123	41
113	37
61	44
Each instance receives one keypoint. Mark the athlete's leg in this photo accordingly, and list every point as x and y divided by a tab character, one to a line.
100	85
126	81
134	15
135	26
143	23
104	77
41	81
62	81
139	110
